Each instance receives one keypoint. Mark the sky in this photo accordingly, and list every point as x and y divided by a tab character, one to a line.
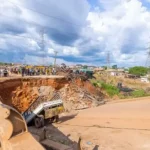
81	31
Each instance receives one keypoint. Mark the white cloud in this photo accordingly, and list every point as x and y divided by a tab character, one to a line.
70	51
50	51
122	26
119	26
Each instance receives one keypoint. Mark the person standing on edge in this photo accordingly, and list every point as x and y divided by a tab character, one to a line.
23	71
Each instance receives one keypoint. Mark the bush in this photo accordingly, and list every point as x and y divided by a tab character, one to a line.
110	89
96	83
138	93
138	70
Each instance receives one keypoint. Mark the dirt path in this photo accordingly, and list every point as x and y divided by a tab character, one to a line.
117	126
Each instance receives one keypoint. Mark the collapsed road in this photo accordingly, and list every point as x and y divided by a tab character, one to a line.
122	126
114	126
22	92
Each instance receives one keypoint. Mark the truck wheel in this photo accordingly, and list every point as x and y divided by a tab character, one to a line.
42	122
39	122
51	120
56	118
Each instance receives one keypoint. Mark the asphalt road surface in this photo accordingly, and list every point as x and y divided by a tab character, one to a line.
116	126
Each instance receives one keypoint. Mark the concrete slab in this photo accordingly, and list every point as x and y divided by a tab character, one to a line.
55	145
32	77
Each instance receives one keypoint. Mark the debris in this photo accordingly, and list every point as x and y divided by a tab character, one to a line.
78	97
76	94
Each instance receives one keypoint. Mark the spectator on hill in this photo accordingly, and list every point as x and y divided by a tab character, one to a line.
23	71
5	72
53	71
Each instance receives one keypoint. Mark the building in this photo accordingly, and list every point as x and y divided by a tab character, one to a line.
91	67
145	79
116	72
99	70
79	65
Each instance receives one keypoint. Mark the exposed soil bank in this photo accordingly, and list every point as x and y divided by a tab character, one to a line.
22	92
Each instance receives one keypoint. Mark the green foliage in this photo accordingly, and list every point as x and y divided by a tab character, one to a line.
139	70
138	93
110	89
96	83
114	67
126	69
134	94
1	63
5	64
85	67
105	67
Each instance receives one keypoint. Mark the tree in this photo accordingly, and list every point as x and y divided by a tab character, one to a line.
139	70
105	67
114	67
85	67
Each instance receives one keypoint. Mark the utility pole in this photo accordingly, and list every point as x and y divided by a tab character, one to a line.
108	60
147	64
148	60
55	57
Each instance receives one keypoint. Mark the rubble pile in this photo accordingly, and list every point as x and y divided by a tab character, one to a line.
77	97
21	93
76	94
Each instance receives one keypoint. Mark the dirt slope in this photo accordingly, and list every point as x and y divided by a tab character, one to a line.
22	92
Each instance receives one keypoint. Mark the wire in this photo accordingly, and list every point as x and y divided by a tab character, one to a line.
46	27
34	23
2	35
57	18
53	17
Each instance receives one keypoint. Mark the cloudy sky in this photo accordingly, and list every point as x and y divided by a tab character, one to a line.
81	31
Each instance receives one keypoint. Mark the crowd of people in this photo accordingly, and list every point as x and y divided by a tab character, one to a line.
4	72
35	71
26	71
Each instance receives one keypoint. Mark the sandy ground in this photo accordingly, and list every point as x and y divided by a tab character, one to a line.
117	126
